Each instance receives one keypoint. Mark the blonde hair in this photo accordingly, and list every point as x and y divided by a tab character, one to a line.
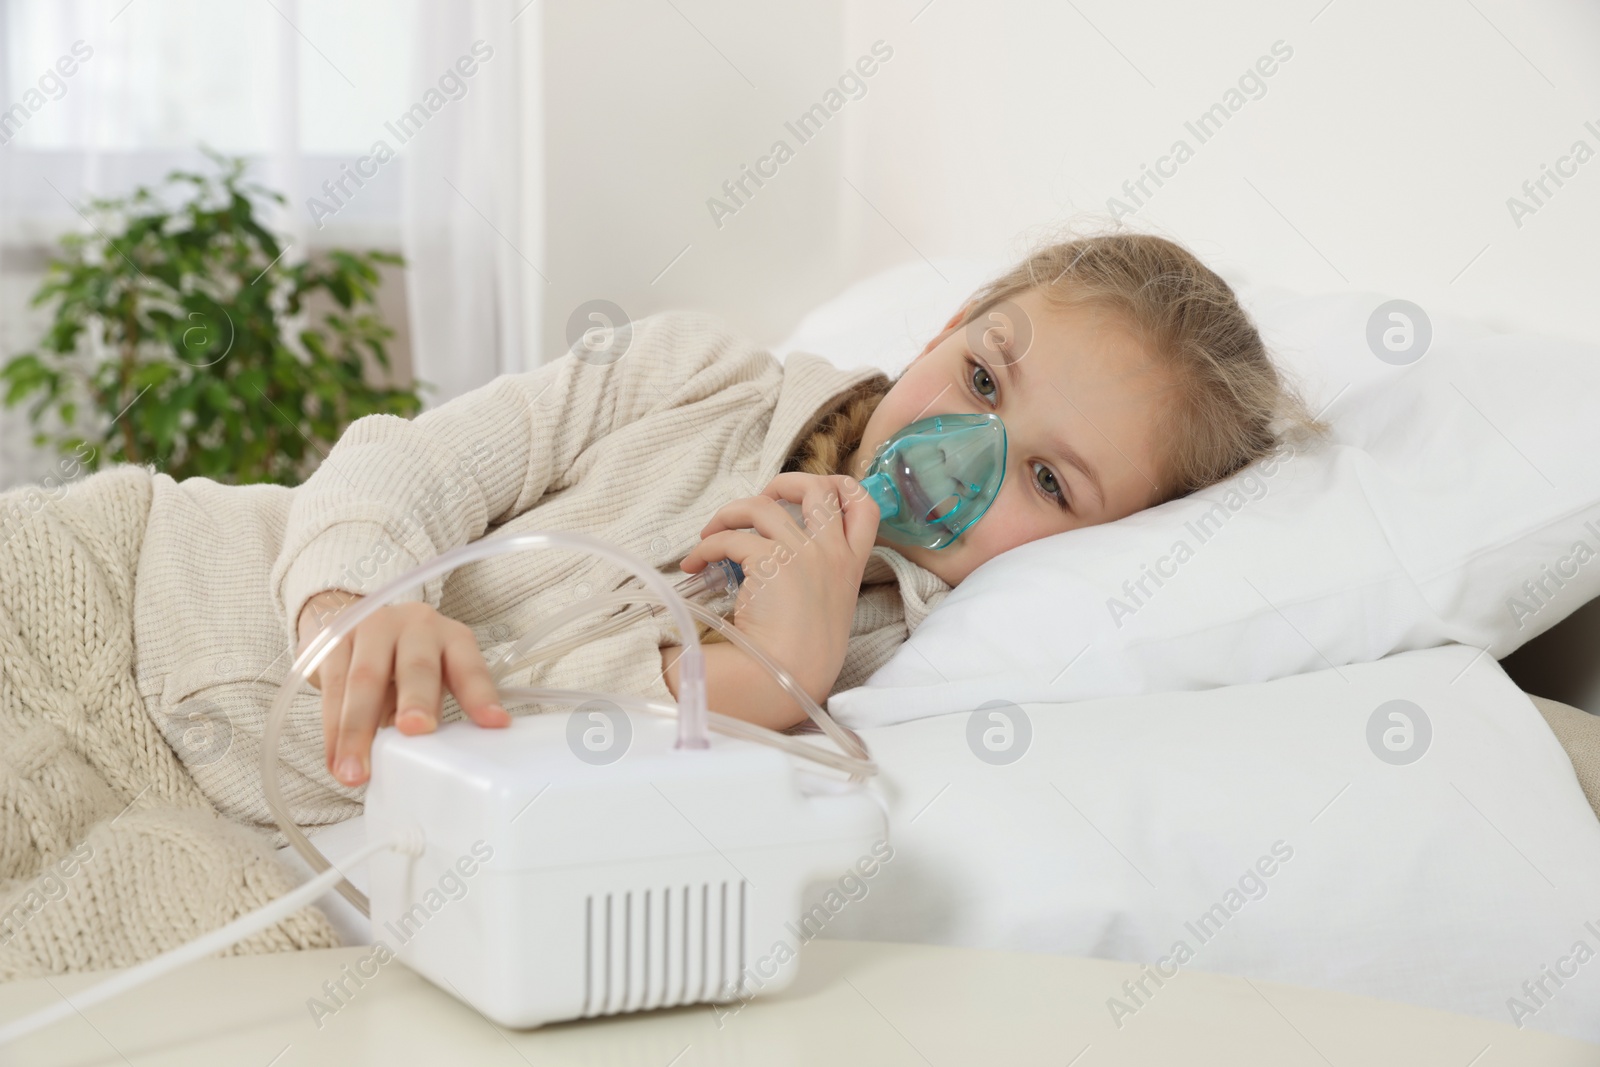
825	447
1228	405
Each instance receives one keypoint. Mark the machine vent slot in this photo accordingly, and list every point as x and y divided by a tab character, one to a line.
660	947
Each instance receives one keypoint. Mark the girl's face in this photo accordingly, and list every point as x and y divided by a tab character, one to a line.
1078	394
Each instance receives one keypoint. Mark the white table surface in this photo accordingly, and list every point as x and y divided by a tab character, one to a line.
854	1002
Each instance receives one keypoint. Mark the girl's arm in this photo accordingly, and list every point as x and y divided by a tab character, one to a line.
799	595
395	492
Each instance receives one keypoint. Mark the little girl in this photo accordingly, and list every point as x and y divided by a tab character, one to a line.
1124	370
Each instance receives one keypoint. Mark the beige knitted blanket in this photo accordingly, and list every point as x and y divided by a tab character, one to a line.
109	851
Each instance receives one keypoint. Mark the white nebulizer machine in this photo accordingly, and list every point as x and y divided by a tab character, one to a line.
624	860
625	855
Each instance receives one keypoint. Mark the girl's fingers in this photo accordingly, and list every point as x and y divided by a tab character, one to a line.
841	497
417	657
366	685
861	516
393	668
468	678
819	503
827	505
792	485
332	672
760	513
742	547
331	735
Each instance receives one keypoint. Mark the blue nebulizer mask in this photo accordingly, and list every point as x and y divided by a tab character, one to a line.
937	477
931	481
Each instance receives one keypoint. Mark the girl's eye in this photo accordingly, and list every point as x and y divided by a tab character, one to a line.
982	381
983	385
1045	479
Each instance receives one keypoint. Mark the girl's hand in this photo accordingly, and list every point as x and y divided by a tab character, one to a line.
399	656
799	595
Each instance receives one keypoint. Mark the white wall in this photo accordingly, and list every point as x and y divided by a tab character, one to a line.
649	109
1380	157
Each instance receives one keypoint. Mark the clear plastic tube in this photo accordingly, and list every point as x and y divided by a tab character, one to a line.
518	654
692	730
854	767
526	650
720	576
716	577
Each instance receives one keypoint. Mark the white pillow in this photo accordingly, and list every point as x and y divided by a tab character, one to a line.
885	320
1447	484
1125	821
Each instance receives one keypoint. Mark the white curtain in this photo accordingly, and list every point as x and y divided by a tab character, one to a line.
472	207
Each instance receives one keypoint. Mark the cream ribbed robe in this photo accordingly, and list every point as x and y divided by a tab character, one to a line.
639	452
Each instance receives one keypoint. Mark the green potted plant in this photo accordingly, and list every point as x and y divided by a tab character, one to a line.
170	342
